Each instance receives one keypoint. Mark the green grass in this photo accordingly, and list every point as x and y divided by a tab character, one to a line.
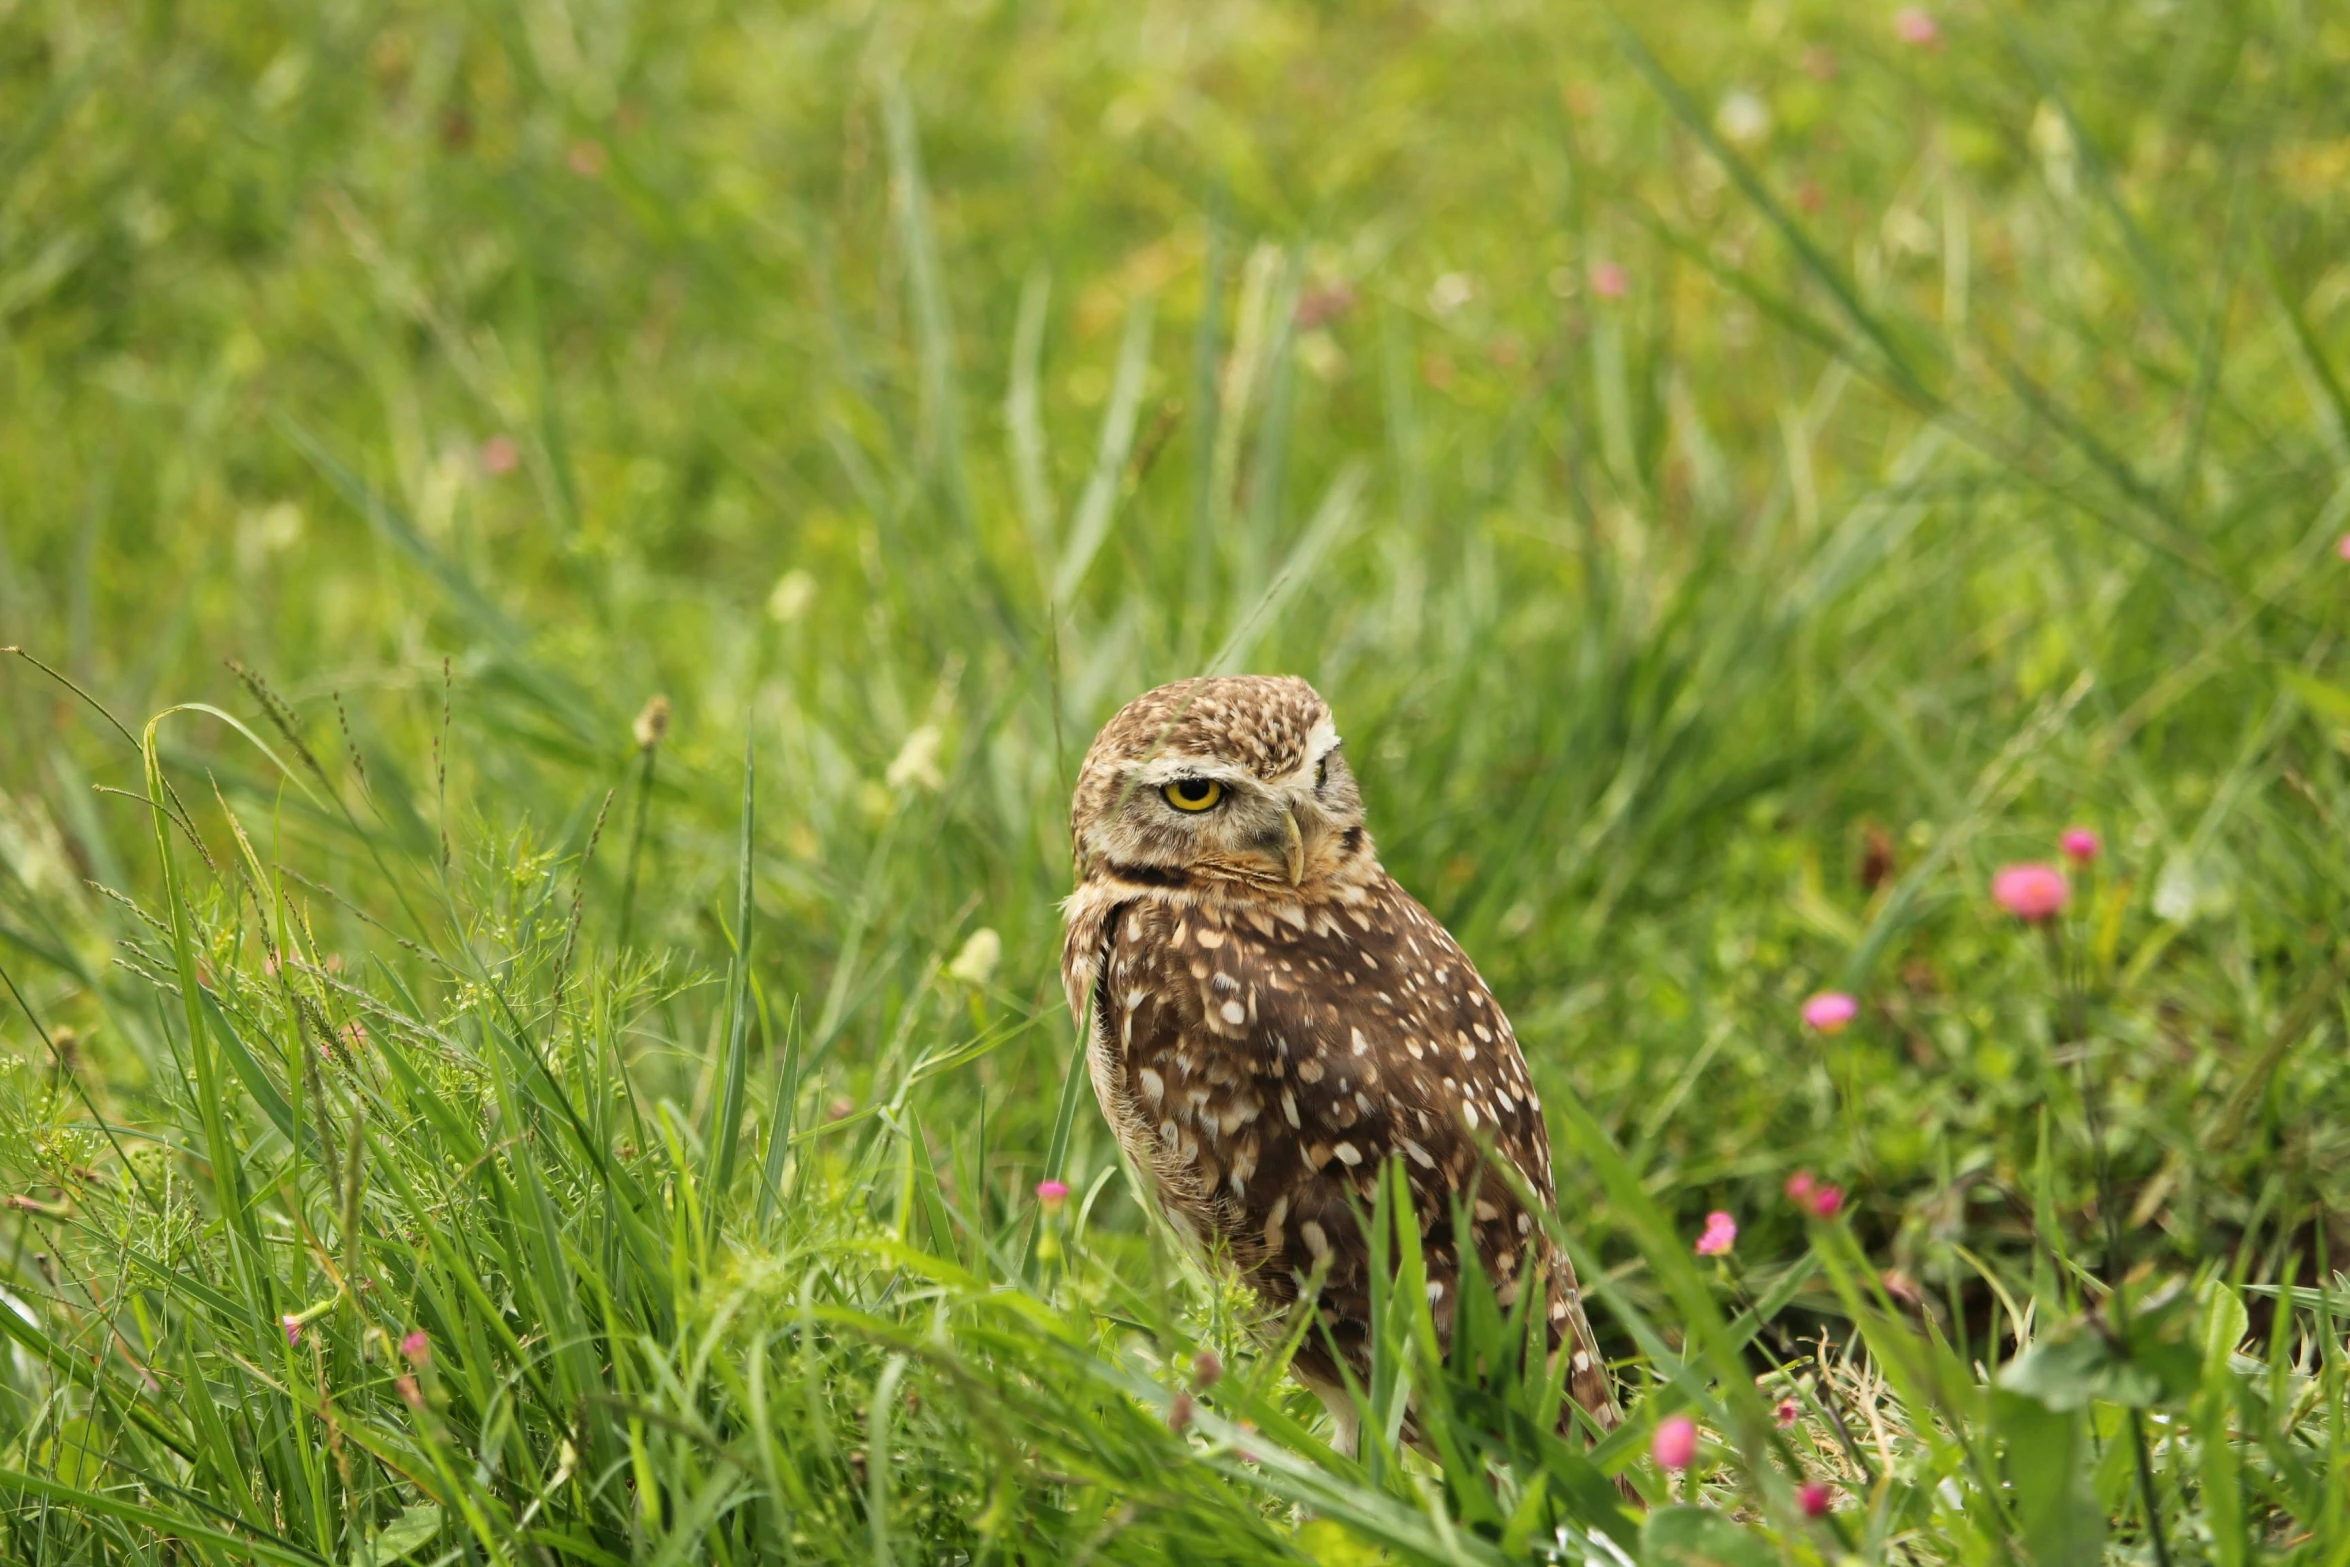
896	390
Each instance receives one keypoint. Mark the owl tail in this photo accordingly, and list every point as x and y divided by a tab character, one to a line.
1588	1384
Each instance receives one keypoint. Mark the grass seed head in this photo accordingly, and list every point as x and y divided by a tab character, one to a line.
652	724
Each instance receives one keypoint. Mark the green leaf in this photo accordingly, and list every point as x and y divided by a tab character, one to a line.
415	1526
2048	1460
1701	1537
2192	885
2155	1359
2222	1327
71	1452
1332	1544
2322	697
2061	1373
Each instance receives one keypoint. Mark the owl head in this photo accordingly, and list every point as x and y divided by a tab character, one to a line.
1232	776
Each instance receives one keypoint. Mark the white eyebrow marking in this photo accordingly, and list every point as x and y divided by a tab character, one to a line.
1321	740
1170	765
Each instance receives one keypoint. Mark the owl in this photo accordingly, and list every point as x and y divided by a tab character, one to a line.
1273	1019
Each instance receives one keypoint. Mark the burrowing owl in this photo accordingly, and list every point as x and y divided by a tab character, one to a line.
1273	1017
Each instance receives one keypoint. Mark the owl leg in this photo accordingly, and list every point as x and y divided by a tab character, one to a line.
1334	1339
1346	1421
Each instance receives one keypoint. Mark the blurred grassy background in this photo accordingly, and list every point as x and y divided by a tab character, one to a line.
1739	473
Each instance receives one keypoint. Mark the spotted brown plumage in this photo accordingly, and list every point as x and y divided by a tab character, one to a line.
1274	1018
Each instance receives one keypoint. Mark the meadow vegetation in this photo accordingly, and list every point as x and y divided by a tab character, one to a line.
564	555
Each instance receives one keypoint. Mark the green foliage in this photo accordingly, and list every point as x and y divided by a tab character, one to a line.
1741	474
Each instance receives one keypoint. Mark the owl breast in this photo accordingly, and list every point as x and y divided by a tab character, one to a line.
1261	1058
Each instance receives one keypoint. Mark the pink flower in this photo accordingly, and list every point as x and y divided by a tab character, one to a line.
417	1347
1914	27
2033	891
1608	280
2342	546
1829	1011
1787	1412
1052	1194
2080	845
499	455
1813	1498
293	1326
1800	1186
410	1393
1207	1368
1675	1444
1827	1201
1179	1412
1721	1233
586	159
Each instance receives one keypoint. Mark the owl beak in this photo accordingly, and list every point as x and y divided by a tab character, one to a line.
1295	850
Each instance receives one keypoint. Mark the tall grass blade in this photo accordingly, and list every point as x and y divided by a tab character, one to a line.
1024	420
1097	507
941	413
1340	505
725	1131
782	1117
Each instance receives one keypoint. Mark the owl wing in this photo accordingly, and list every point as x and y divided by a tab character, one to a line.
1274	1055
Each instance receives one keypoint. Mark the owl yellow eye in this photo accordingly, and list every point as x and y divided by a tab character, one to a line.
1194	794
